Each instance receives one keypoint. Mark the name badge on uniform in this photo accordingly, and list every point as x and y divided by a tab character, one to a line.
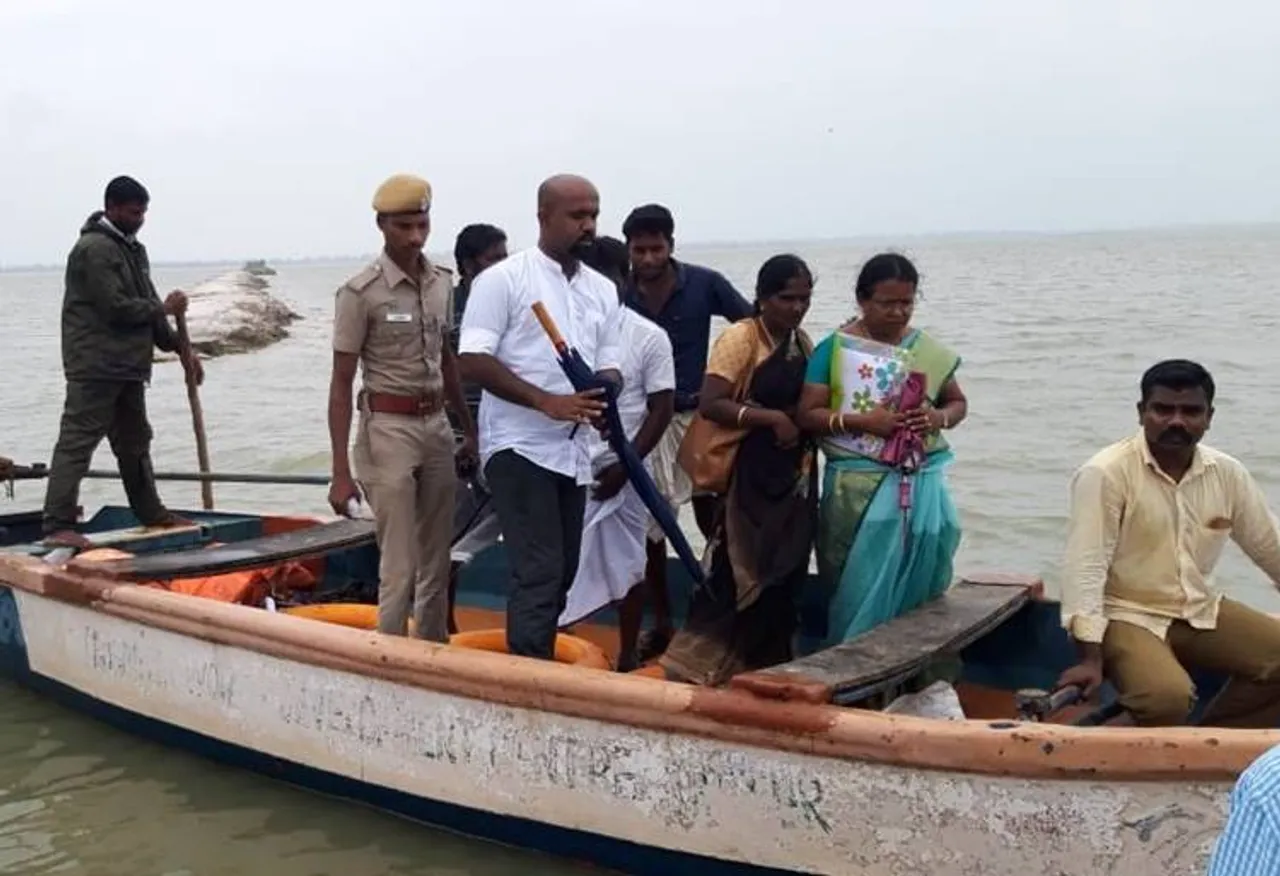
399	317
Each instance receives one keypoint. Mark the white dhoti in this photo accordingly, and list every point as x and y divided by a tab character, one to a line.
613	554
672	480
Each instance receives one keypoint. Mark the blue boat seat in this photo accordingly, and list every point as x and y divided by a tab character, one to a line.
312	541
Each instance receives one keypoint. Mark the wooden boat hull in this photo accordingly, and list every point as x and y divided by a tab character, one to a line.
633	774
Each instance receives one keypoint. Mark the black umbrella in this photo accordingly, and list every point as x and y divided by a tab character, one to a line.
583	378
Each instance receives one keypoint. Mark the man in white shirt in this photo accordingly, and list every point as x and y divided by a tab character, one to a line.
536	465
617	522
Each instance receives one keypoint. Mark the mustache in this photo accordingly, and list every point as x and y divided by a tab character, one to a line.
1175	433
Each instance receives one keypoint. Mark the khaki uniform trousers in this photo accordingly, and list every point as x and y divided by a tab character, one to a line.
405	465
1148	673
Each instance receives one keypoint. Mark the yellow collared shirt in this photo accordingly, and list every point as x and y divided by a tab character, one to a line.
1141	547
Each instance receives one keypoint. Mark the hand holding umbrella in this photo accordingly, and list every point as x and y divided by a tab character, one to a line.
585	380
586	406
594	392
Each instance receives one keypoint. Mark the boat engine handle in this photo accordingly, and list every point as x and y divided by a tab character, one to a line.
1035	704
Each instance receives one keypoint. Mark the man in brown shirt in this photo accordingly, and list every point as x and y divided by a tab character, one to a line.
393	318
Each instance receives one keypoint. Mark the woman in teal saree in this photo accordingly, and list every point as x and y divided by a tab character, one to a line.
888	529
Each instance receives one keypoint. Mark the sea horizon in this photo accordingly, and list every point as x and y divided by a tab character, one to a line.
741	243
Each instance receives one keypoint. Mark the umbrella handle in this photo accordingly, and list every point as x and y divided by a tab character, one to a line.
549	326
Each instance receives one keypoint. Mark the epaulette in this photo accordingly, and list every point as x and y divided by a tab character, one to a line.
365	278
447	273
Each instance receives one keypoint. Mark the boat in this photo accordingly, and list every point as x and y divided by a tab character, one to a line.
789	770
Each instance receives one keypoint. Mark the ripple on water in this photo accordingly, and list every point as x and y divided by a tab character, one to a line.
79	797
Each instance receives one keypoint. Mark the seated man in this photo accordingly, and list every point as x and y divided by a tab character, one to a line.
616	523
1149	518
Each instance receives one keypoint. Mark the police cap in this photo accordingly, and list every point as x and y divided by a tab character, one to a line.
403	193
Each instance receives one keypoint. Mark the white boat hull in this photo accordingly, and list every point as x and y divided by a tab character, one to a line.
637	798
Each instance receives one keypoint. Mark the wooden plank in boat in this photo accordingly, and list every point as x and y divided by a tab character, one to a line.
896	651
133	534
136	536
313	541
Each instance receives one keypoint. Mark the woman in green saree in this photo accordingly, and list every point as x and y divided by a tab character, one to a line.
887	532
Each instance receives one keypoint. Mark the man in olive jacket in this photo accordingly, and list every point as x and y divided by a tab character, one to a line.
112	320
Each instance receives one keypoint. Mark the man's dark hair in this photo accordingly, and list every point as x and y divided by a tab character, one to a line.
608	255
125	190
650	219
474	240
1177	374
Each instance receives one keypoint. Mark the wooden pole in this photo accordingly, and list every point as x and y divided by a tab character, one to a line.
197	412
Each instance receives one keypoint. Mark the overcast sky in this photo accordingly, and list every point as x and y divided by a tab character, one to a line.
262	128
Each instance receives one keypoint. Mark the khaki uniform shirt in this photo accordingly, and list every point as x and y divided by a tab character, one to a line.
395	326
1141	547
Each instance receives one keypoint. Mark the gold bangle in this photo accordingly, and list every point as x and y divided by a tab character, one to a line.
742	412
833	423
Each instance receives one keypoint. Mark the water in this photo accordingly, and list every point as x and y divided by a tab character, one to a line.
77	797
1055	332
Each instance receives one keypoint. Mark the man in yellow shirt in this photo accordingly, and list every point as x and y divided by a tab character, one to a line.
1149	518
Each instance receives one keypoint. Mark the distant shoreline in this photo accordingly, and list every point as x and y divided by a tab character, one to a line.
203	263
1188	228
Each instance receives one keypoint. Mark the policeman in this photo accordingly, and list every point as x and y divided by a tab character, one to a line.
393	318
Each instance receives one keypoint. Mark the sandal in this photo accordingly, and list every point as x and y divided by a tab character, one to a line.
627	662
651	644
169	520
67	538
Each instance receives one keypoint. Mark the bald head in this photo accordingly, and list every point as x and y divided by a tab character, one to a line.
564	185
568	206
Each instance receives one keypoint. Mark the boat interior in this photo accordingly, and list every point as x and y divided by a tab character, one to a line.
995	638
